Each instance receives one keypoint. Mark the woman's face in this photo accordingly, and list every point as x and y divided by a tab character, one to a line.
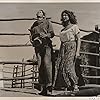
65	17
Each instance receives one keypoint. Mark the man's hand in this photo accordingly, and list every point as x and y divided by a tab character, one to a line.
30	37
43	35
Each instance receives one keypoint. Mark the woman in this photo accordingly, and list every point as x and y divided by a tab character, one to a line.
65	75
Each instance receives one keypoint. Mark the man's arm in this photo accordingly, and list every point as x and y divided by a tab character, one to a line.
50	32
32	34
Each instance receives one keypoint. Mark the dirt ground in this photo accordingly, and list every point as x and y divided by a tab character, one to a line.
23	92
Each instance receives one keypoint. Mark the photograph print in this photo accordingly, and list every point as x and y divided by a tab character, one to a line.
49	49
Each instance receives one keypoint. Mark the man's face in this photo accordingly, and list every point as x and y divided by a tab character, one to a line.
40	14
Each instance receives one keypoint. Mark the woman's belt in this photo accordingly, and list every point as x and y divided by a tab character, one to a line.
68	41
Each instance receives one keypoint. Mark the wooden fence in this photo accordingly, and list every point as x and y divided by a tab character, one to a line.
20	76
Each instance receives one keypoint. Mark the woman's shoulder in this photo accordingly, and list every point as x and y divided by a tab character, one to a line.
69	28
75	26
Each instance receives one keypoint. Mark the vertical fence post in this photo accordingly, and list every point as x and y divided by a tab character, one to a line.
33	78
15	70
1	76
99	54
24	75
22	81
13	76
98	51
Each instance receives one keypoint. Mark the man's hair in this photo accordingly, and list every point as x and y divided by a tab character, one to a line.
72	17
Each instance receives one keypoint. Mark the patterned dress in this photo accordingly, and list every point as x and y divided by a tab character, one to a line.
65	75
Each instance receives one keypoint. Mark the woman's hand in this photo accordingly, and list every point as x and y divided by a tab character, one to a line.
77	55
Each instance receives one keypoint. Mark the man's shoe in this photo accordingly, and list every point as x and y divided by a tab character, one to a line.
44	93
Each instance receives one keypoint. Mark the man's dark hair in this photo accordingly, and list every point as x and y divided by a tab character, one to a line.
72	17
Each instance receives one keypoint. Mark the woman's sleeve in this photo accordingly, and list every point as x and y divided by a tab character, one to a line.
77	31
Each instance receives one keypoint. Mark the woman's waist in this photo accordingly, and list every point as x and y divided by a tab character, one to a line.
67	39
70	41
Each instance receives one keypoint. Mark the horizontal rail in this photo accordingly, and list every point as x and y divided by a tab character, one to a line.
89	41
18	62
28	69
88	53
28	86
25	70
20	83
8	72
19	19
94	77
88	66
89	30
34	71
16	45
10	67
16	78
7	84
19	34
28	74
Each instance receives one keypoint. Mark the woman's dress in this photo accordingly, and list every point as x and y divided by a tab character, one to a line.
65	75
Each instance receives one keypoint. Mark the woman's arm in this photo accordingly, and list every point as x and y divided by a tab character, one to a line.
78	44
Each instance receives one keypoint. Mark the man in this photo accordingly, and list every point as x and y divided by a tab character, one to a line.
41	32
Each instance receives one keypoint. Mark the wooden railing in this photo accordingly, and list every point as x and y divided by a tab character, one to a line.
33	72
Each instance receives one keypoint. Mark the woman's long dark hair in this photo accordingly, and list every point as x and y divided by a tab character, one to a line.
72	17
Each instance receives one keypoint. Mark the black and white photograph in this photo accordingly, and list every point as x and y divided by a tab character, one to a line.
50	49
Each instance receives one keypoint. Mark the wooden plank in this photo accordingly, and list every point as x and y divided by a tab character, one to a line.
88	53
7	72
18	34
18	62
16	45
88	66
92	77
16	78
94	42
20	19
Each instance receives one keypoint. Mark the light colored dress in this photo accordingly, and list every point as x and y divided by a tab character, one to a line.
65	75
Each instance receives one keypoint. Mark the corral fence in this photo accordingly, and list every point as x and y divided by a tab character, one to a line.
25	74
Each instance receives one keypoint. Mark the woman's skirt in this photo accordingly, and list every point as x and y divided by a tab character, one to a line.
65	74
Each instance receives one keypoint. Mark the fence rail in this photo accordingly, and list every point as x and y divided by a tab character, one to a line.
23	77
94	42
16	78
91	77
88	53
18	34
88	66
18	62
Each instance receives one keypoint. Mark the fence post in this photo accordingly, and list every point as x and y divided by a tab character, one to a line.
14	75
98	51
1	76
23	74
33	77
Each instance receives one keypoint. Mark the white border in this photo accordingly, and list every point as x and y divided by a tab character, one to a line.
48	1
